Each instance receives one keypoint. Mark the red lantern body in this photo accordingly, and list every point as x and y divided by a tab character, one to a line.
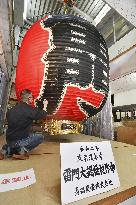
60	63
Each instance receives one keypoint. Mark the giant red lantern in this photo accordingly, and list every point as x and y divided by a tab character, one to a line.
64	59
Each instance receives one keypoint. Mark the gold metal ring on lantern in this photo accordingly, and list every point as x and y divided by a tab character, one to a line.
56	127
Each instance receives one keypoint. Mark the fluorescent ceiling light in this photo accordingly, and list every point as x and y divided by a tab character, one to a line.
101	14
26	2
13	5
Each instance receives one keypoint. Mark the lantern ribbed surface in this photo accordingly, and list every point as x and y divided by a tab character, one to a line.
63	60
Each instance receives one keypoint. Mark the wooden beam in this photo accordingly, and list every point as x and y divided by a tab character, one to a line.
18	12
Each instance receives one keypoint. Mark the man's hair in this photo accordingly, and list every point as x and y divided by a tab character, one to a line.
25	94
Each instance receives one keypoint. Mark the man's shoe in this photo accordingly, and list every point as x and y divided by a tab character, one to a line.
1	156
20	156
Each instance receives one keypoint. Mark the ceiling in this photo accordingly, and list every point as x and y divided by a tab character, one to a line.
111	25
35	8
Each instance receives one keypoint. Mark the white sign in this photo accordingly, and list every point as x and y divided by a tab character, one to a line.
87	169
16	180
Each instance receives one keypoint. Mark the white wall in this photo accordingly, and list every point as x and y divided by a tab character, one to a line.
125	98
123	44
124	89
124	64
123	84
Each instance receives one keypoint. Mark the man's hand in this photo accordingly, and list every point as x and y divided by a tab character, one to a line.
45	103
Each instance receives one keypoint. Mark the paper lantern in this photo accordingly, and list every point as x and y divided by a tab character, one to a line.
64	59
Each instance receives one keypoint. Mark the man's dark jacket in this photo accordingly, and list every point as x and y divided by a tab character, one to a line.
20	119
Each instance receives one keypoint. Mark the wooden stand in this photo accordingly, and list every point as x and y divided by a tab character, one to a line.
45	161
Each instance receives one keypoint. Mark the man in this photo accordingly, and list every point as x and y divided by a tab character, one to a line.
18	137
